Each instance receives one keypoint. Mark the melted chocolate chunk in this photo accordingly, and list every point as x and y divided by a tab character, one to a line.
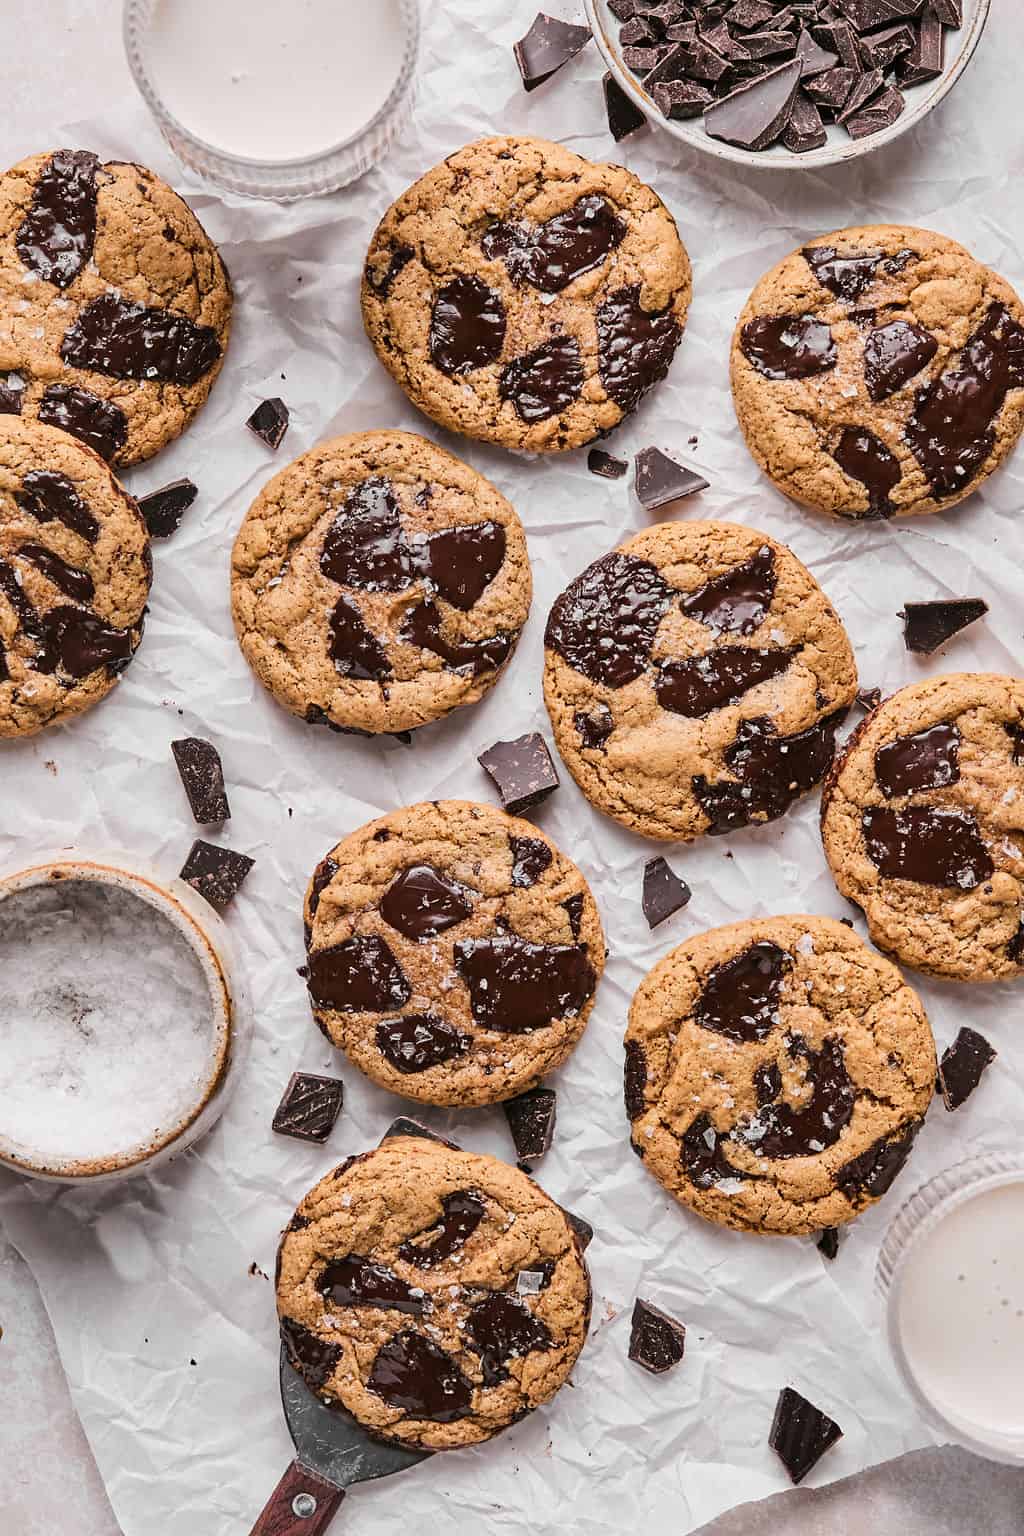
771	771
962	1067
869	698
359	975
353	647
322	877
595	728
461	1214
269	422
131	341
415	1375
202	776
57	235
357	1282
544	382
767	1082
660	480
309	1107
605	622
606	464
782	1130
926	626
624	116
531	1119
1015	732
365	546
164	509
530	858
927	760
422	626
700	684
467	326
738	600
216	873
76	642
788	346
71	580
656	1341
399	259
418	1041
551	255
635	1079
574	912
874	1172
864	457
421	902
800	1434
100	424
634	346
30	621
740	997
462	562
893	354
12	397
522	770
702	1156
516	986
664	893
929	846
547	46
315	1361
501	1328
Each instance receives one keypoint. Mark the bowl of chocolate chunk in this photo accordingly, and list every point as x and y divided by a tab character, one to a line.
787	83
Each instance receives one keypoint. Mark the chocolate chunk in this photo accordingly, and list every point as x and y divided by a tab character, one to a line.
930	846
12	395
216	873
606	464
131	341
740	997
164	509
756	113
739	599
359	975
926	59
814	58
880	112
461	562
926	626
530	858
365	546
893	354
780	1129
322	877
840	35
582	1230
660	479
702	1156
831	89
869	698
805	130
467	326
624	116
399	259
100	424
635	1079
531	1119
864	457
800	1434
269	421
888	44
199	765
927	760
949	12
354	649
771	771
461	1214
422	626
501	1328
544	382
750	14
353	1281
681	99
552	255
874	1172
421	903
71	579
309	1107
962	1066
788	346
656	1341
828	1243
865	88
864	14
418	1041
57	235
701	684
634	346
315	1361
594	729
605	622
522	771
664	892
516	986
767	45
1015	732
848	277
547	46
417	1376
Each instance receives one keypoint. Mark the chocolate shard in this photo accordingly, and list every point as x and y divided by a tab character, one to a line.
831	89
606	464
522	770
756	113
664	893
828	1243
884	46
880	112
546	47
269	422
216	873
531	1119
659	479
656	1340
680	99
865	88
949	12
624	116
309	1107
962	1066
164	509
800	1434
202	776
805	130
926	626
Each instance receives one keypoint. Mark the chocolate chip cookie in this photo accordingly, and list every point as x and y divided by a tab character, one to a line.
437	1296
75	571
454	952
115	307
777	1073
378	582
922	819
879	372
521	294
695	678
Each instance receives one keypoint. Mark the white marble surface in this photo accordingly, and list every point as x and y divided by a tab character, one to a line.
67	63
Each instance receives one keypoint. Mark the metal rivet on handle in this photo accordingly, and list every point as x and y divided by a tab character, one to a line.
304	1505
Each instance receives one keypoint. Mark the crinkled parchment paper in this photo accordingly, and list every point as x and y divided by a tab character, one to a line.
168	1340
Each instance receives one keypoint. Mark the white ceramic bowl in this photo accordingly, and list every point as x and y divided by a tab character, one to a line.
840	148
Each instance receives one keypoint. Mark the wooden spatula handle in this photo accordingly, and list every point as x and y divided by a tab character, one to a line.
302	1504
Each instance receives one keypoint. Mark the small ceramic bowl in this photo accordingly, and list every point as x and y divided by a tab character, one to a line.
840	148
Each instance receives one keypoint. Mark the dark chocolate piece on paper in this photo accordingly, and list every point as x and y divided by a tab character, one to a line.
522	770
869	698
664	893
962	1066
164	509
659	479
309	1107
828	1243
531	1119
800	1434
926	626
216	873
269	422
202	775
606	464
656	1340
624	116
546	47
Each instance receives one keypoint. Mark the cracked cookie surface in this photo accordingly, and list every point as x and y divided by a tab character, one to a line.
777	1072
453	952
879	372
436	1295
524	295
695	678
75	572
378	582
923	825
115	306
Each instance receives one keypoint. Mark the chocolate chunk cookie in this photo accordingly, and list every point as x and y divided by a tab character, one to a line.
438	1296
777	1073
454	952
695	678
115	307
879	372
75	570
521	294
378	582
922	818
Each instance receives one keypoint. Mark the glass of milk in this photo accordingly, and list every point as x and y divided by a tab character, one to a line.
276	98
951	1270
